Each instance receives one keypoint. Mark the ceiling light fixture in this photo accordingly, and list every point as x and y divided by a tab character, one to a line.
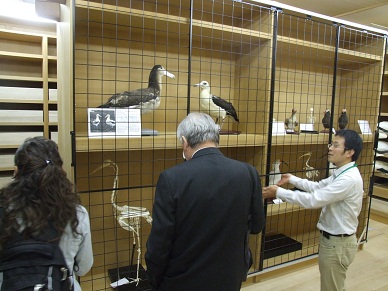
20	10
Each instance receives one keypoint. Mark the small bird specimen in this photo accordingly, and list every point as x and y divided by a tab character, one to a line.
145	99
292	121
311	173
215	106
343	119
275	175
326	121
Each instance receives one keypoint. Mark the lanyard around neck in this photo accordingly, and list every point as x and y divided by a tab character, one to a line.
353	166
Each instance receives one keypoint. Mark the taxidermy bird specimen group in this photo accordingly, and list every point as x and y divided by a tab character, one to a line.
145	99
292	121
311	173
215	106
127	216
343	119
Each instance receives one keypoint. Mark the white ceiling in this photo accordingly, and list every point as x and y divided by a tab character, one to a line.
373	13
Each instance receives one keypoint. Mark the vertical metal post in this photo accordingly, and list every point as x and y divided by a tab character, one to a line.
190	55
271	110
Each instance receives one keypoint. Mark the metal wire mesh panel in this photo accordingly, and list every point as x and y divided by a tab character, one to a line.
323	71
117	44
282	73
231	58
121	47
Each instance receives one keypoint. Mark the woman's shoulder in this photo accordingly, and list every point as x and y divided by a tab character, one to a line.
83	216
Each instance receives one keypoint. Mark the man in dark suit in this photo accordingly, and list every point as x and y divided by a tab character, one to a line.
203	212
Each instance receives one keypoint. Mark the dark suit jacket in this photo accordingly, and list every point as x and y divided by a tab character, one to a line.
200	220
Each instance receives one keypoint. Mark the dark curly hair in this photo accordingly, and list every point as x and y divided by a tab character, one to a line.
40	193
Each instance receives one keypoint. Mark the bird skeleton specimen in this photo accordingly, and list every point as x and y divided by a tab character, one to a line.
311	117
311	173
215	106
128	217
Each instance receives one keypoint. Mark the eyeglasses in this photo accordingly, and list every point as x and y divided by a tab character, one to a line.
336	146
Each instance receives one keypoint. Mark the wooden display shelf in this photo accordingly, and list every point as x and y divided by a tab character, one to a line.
167	140
381	174
26	56
27	123
25	35
291	44
309	138
380	190
26	78
148	19
10	168
310	247
282	208
27	101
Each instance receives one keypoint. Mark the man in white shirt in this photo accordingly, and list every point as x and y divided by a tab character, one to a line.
340	197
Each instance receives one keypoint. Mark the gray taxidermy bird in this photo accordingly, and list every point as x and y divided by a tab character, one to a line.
146	99
343	119
292	121
326	120
215	106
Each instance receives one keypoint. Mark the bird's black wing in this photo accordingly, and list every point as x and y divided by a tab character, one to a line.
131	98
227	106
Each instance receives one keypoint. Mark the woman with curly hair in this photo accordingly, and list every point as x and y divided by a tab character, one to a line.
41	197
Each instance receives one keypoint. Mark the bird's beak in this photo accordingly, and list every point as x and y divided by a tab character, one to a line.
168	74
284	163
197	85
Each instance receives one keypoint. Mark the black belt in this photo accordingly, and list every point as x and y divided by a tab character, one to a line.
328	235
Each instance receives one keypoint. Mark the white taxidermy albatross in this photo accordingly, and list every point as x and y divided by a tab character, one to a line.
145	99
215	106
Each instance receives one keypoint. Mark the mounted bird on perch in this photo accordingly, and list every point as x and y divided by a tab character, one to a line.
128	217
326	121
145	99
292	122
343	119
215	106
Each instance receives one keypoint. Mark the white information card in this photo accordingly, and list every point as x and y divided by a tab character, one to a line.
114	122
364	127
278	128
